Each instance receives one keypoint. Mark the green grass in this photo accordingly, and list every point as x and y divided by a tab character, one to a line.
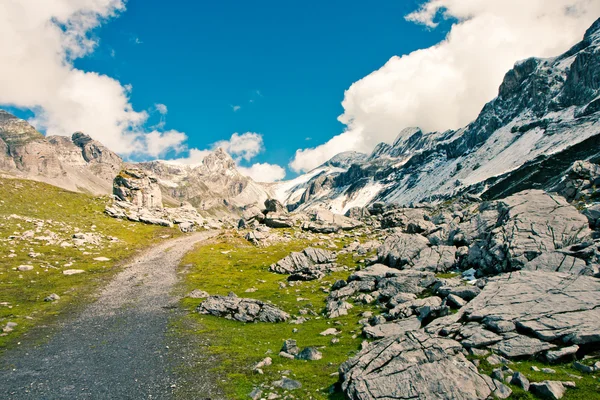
588	387
23	293
231	264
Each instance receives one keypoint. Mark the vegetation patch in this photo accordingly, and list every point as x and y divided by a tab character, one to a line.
37	250
231	264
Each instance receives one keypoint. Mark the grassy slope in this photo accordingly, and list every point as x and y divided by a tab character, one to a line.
231	264
22	293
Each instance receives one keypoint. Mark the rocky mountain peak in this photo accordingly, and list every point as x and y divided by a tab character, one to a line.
593	30
218	161
346	159
16	131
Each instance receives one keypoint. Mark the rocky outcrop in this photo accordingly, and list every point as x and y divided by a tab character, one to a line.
524	226
325	221
241	309
138	198
529	313
309	264
78	163
416	365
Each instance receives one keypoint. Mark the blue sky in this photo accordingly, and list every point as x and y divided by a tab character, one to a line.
283	70
285	64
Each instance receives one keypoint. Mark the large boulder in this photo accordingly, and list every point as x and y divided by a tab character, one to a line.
311	263
415	365
358	213
274	206
138	188
580	182
410	220
400	250
529	224
241	309
551	306
325	221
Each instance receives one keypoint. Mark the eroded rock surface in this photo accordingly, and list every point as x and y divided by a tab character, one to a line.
241	309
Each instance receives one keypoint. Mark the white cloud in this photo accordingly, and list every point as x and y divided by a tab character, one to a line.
40	41
241	147
264	172
445	86
161	108
236	108
245	146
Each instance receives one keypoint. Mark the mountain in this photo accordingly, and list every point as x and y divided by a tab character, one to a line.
77	163
545	114
214	184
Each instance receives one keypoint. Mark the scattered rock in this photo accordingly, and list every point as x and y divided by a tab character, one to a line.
415	365
73	271
551	390
287	384
309	354
520	380
197	294
241	309
565	352
24	268
52	297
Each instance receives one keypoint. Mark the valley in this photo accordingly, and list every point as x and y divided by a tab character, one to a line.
460	265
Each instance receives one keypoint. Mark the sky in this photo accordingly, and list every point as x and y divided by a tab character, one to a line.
281	86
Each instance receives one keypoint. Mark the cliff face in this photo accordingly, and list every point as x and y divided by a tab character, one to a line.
77	163
545	108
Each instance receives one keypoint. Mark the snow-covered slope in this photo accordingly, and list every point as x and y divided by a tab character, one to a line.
544	108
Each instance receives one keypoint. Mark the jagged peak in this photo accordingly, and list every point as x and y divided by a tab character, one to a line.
80	138
592	30
405	134
345	159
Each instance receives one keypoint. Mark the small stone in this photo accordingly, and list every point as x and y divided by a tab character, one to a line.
72	271
555	355
497	374
287	384
551	390
335	340
583	368
286	355
197	294
24	268
255	394
101	259
264	363
290	346
548	371
495	359
569	384
520	380
52	297
309	354
330	332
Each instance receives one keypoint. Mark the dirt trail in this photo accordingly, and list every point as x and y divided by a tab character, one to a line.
116	348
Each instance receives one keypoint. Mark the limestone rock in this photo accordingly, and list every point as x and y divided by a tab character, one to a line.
548	390
415	365
241	309
309	264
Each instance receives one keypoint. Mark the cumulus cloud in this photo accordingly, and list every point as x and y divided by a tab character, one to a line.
161	108
264	172
236	108
40	41
245	146
445	86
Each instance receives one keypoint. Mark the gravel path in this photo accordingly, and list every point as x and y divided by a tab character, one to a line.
116	348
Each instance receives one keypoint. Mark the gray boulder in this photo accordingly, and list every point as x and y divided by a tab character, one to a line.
392	328
241	309
309	264
529	224
415	365
325	221
552	306
401	250
548	390
358	213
